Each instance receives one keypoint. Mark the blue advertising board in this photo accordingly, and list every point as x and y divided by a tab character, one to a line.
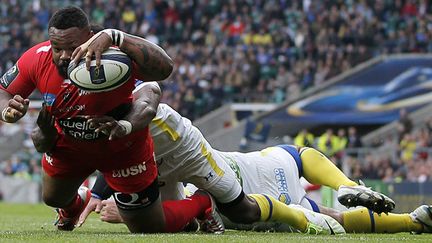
372	96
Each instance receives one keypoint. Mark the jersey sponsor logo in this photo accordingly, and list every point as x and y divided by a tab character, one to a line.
234	166
131	200
281	180
131	171
66	96
72	108
49	99
83	92
79	128
9	76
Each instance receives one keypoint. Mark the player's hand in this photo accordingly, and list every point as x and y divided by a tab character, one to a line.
97	44
45	122
107	125
110	213
17	108
93	205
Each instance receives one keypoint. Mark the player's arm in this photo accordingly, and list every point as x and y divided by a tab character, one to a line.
100	191
153	62
144	108
14	85
44	135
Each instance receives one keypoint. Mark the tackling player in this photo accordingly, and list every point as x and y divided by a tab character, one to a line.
179	148
275	171
74	148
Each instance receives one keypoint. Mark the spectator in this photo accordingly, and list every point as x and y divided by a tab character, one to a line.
404	123
304	138
327	143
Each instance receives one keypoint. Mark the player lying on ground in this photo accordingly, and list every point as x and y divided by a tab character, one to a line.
74	149
169	129
276	171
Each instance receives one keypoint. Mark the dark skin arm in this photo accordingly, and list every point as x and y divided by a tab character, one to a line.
144	108
153	62
44	136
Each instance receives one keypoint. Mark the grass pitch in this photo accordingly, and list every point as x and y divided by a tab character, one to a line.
34	223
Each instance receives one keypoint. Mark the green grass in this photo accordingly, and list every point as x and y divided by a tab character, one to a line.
34	223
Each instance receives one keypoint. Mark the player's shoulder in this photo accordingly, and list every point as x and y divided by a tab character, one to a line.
41	50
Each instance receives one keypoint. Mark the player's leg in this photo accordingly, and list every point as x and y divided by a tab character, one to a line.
143	211
60	190
212	173
318	169
362	220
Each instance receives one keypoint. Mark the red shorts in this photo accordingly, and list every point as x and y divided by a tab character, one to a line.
128	164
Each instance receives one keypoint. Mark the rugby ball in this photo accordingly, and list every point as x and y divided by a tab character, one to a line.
115	70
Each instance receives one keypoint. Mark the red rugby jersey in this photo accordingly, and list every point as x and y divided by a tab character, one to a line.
36	70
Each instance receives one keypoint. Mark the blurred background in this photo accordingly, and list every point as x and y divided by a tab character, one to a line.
350	78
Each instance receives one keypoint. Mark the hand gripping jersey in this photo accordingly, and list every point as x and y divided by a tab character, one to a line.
79	149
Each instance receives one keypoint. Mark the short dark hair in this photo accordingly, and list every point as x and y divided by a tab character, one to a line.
69	17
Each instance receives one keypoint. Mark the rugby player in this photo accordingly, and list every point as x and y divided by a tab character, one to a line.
178	145
73	147
276	171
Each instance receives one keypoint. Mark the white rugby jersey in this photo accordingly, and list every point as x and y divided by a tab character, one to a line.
183	155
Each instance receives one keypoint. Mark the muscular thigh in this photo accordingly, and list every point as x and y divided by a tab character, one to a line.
142	211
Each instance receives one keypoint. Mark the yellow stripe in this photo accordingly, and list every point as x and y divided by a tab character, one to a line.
210	159
166	128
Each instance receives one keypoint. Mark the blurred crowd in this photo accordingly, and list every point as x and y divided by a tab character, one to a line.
25	163
405	155
251	51
243	50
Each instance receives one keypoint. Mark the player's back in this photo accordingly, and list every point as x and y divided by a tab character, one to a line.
176	140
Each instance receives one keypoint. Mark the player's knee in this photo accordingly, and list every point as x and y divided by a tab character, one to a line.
54	200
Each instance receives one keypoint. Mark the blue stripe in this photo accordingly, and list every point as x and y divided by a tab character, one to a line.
295	154
372	219
313	204
271	207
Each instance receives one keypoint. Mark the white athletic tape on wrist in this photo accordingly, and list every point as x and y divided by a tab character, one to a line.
116	36
3	114
127	125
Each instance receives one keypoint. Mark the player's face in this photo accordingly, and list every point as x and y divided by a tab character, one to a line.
63	43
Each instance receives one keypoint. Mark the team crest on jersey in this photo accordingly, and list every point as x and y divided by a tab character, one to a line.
9	76
49	99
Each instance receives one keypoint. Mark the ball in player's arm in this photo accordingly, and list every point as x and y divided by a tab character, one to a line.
75	150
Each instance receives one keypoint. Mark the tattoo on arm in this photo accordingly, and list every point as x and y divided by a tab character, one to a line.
153	61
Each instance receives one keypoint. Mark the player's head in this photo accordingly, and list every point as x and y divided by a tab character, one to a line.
68	28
